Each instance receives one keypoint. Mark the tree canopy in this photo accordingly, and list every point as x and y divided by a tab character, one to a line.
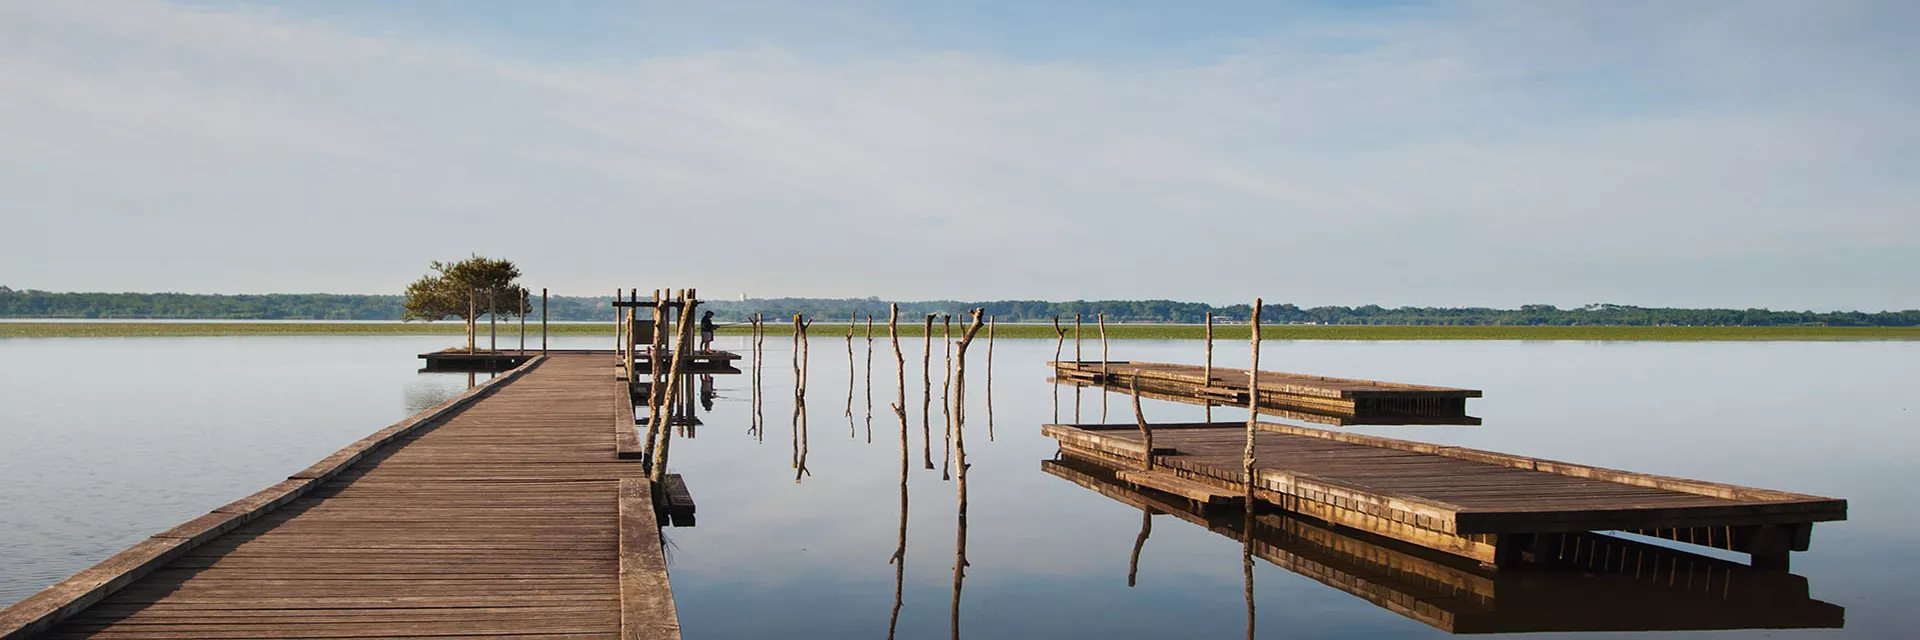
458	289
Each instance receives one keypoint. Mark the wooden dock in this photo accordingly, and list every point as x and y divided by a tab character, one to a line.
1495	508
1319	399
503	512
1587	582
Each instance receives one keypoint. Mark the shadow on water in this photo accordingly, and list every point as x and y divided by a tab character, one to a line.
1595	582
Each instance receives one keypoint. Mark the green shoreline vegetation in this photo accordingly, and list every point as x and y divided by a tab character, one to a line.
509	332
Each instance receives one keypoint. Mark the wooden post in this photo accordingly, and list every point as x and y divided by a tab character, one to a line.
628	344
493	323
655	376
960	463
899	559
990	324
853	320
1103	346
869	378
946	396
543	321
926	394
1076	338
1209	367
473	316
619	324
688	302
1059	341
1253	402
1140	419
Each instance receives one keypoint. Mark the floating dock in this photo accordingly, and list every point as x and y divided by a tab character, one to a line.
1587	582
1319	399
505	511
1494	508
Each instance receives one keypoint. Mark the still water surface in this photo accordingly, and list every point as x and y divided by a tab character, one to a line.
106	441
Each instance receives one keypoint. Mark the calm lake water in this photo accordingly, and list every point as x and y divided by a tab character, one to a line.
106	441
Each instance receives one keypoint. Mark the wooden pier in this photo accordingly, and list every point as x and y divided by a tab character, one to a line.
506	511
1495	508
1319	399
1587	582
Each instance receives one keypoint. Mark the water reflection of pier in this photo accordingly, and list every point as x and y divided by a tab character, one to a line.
1592	582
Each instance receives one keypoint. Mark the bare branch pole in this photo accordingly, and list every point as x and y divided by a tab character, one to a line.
990	325
960	459
1059	341
1253	420
655	395
946	397
853	320
899	559
1209	367
1102	317
753	343
760	363
926	394
1253	399
689	301
1140	419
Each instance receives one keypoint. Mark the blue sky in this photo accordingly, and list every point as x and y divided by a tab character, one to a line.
1701	153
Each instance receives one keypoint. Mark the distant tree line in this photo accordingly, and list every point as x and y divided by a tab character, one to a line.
30	303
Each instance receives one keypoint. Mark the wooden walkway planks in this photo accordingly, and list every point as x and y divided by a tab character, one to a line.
1478	504
512	516
1312	398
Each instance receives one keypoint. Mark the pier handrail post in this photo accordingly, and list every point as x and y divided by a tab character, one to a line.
633	318
1209	367
521	294
1103	346
543	321
619	319
688	302
493	323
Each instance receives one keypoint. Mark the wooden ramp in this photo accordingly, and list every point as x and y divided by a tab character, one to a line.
505	512
1589	582
1491	507
1320	399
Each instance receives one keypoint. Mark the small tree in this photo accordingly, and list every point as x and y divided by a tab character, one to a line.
459	290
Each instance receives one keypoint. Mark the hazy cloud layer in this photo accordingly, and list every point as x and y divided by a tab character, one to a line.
1742	154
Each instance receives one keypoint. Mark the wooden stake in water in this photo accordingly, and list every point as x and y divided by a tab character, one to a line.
1140	419
926	394
1253	399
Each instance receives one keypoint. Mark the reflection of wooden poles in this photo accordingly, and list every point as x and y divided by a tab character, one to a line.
869	378
1140	419
899	558
1139	542
960	464
926	394
689	301
853	319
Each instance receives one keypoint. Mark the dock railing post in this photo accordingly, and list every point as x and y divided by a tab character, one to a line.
521	293
543	321
493	323
619	320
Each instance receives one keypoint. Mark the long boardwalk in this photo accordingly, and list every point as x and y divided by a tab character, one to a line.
1492	507
509	514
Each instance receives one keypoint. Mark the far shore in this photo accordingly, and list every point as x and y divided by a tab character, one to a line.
823	330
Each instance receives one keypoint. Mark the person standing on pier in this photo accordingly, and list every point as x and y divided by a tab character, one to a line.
706	331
